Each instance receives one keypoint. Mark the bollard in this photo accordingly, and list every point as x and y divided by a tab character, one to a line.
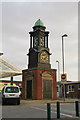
48	111
77	108
58	109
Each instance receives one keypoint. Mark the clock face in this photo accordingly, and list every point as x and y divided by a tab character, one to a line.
44	57
42	41
35	41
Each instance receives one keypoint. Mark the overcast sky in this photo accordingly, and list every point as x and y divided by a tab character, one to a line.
18	18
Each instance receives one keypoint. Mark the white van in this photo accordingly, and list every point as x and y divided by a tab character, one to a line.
11	94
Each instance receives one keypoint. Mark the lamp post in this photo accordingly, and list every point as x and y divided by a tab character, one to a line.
65	35
58	70
11	80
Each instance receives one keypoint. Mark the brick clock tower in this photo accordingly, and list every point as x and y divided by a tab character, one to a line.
39	80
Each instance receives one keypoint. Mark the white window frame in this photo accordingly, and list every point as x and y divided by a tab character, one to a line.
70	89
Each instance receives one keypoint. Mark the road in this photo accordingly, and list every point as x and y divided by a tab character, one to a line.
37	110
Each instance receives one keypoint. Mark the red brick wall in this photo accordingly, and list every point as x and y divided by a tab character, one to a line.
54	86
38	85
73	94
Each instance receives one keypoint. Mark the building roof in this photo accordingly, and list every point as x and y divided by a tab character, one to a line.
39	23
7	69
73	82
67	82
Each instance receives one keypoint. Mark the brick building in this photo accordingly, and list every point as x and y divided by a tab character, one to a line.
72	89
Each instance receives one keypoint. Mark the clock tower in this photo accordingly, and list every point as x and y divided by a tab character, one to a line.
39	55
39	80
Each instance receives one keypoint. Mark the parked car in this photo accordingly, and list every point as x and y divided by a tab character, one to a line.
11	94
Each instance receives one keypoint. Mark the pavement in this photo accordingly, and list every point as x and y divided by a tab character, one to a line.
49	101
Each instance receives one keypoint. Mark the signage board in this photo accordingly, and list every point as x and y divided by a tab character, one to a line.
63	77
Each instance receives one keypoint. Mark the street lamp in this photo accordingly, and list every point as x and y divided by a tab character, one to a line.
58	71
65	35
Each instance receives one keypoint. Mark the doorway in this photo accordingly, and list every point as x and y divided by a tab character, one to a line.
29	89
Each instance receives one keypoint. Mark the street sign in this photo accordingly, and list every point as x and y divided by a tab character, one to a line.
63	77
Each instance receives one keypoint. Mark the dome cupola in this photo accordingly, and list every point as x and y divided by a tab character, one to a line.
39	23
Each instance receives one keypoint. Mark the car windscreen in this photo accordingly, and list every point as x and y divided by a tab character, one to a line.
12	90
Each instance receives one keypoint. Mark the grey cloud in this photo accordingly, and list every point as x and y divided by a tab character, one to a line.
59	18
